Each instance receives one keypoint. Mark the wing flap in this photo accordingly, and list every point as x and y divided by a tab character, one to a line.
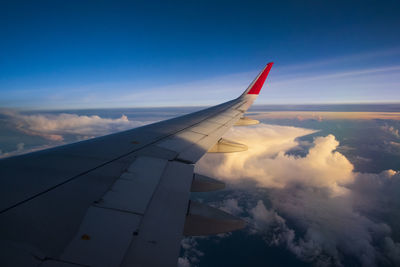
206	220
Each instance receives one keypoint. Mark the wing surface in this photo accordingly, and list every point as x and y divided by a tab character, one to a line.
116	200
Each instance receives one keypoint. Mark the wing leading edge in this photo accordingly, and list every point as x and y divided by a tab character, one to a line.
116	200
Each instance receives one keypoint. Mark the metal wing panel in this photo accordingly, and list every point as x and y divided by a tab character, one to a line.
181	140
102	238
135	187
205	127
158	240
116	223
43	226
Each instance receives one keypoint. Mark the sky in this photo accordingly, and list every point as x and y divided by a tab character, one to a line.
112	54
303	170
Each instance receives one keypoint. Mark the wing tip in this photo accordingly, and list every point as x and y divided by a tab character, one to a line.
258	84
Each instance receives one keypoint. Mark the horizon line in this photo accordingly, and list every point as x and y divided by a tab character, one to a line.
202	106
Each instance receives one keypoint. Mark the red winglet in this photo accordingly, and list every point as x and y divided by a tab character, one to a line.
256	88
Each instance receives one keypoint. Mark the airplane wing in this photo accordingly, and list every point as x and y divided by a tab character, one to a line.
120	199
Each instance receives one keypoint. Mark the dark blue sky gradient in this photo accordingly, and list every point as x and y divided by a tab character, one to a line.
64	45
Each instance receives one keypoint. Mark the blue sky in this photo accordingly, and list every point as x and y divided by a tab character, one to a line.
87	54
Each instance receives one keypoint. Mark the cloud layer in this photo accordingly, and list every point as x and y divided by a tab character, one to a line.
54	126
335	213
61	128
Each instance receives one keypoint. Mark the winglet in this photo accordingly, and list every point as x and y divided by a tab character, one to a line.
256	85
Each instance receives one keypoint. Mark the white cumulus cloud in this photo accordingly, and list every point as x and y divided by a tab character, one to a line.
55	126
61	128
329	204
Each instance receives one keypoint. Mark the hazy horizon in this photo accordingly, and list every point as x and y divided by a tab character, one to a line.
369	106
46	128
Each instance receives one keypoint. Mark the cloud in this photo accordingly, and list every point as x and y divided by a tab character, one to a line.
55	126
332	225
20	149
265	219
330	115
339	61
378	193
349	73
332	208
24	150
334	85
393	250
231	205
191	255
20	146
276	233
341	79
395	144
61	128
183	262
391	130
268	164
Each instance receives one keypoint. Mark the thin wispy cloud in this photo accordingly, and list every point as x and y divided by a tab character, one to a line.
329	86
364	77
342	74
326	115
344	60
